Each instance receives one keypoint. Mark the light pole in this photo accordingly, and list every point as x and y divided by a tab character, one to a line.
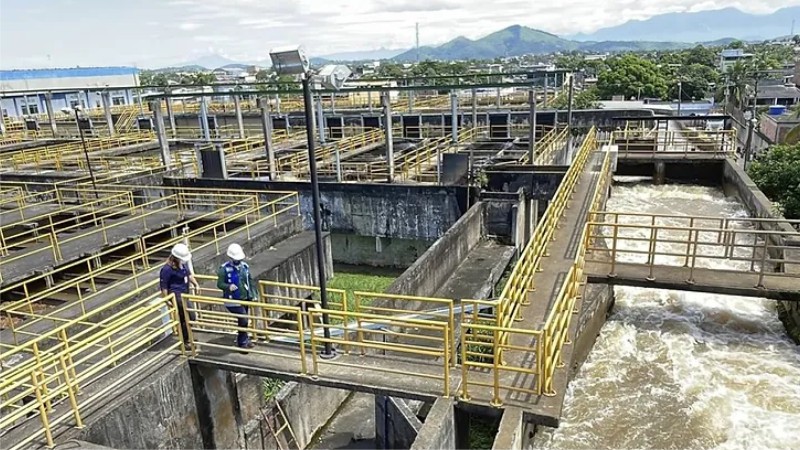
680	95
293	61
77	109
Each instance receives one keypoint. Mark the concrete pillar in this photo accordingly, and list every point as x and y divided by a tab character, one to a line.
659	172
474	108
171	115
51	113
387	125
369	101
320	120
338	164
237	105
333	104
204	119
105	97
278	104
161	132
497	100
266	126
544	101
532	124
141	106
555	120
454	116
223	163
2	126
569	118
86	94
411	101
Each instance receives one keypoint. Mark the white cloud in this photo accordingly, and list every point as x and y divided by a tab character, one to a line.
248	27
188	26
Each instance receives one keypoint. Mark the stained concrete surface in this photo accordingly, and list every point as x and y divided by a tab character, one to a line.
353	427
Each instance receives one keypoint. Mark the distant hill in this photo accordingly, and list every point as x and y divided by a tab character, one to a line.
367	55
519	40
701	26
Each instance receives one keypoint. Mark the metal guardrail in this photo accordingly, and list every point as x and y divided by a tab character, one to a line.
746	245
44	378
492	339
226	218
651	141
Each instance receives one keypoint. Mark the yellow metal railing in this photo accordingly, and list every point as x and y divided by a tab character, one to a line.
748	246
502	341
651	141
226	216
58	365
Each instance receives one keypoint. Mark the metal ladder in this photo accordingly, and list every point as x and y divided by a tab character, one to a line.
278	431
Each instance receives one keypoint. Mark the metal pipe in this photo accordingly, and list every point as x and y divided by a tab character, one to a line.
316	206
86	154
237	105
454	116
320	120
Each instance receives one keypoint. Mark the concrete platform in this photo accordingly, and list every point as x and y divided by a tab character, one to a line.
545	410
476	276
776	287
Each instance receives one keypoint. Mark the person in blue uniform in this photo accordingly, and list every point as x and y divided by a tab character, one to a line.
175	278
236	283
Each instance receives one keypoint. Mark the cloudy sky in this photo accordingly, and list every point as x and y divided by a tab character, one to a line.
153	33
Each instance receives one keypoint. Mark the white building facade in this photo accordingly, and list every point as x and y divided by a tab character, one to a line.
22	92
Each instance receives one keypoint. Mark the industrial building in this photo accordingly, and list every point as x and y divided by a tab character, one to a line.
24	91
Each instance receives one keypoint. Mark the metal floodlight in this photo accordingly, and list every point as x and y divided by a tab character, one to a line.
333	76
289	60
66	110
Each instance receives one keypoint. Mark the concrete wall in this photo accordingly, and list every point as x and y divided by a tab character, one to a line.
510	432
183	406
439	429
377	251
158	412
396	426
386	210
737	182
433	268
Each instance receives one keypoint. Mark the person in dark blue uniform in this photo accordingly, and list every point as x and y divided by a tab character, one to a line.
175	278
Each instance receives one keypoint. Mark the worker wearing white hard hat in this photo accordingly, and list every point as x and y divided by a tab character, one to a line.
236	283
175	278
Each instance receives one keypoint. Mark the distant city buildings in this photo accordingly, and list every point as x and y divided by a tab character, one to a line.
730	56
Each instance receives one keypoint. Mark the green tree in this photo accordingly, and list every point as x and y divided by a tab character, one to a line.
735	44
631	76
696	81
777	174
701	55
586	99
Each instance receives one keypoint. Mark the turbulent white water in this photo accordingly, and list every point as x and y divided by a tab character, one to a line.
680	370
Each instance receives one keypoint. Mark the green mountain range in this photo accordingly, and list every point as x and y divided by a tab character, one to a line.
518	40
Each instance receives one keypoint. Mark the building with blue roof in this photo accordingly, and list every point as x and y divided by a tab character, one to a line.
23	92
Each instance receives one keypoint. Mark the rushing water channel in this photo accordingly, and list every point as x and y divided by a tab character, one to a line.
683	370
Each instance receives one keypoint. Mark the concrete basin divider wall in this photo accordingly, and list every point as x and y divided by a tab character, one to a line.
736	181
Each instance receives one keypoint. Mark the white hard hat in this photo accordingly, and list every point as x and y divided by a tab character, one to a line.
181	251
235	252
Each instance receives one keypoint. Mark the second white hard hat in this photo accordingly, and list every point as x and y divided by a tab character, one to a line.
181	251
235	252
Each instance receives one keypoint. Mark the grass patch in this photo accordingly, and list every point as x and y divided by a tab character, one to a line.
482	432
271	386
361	278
